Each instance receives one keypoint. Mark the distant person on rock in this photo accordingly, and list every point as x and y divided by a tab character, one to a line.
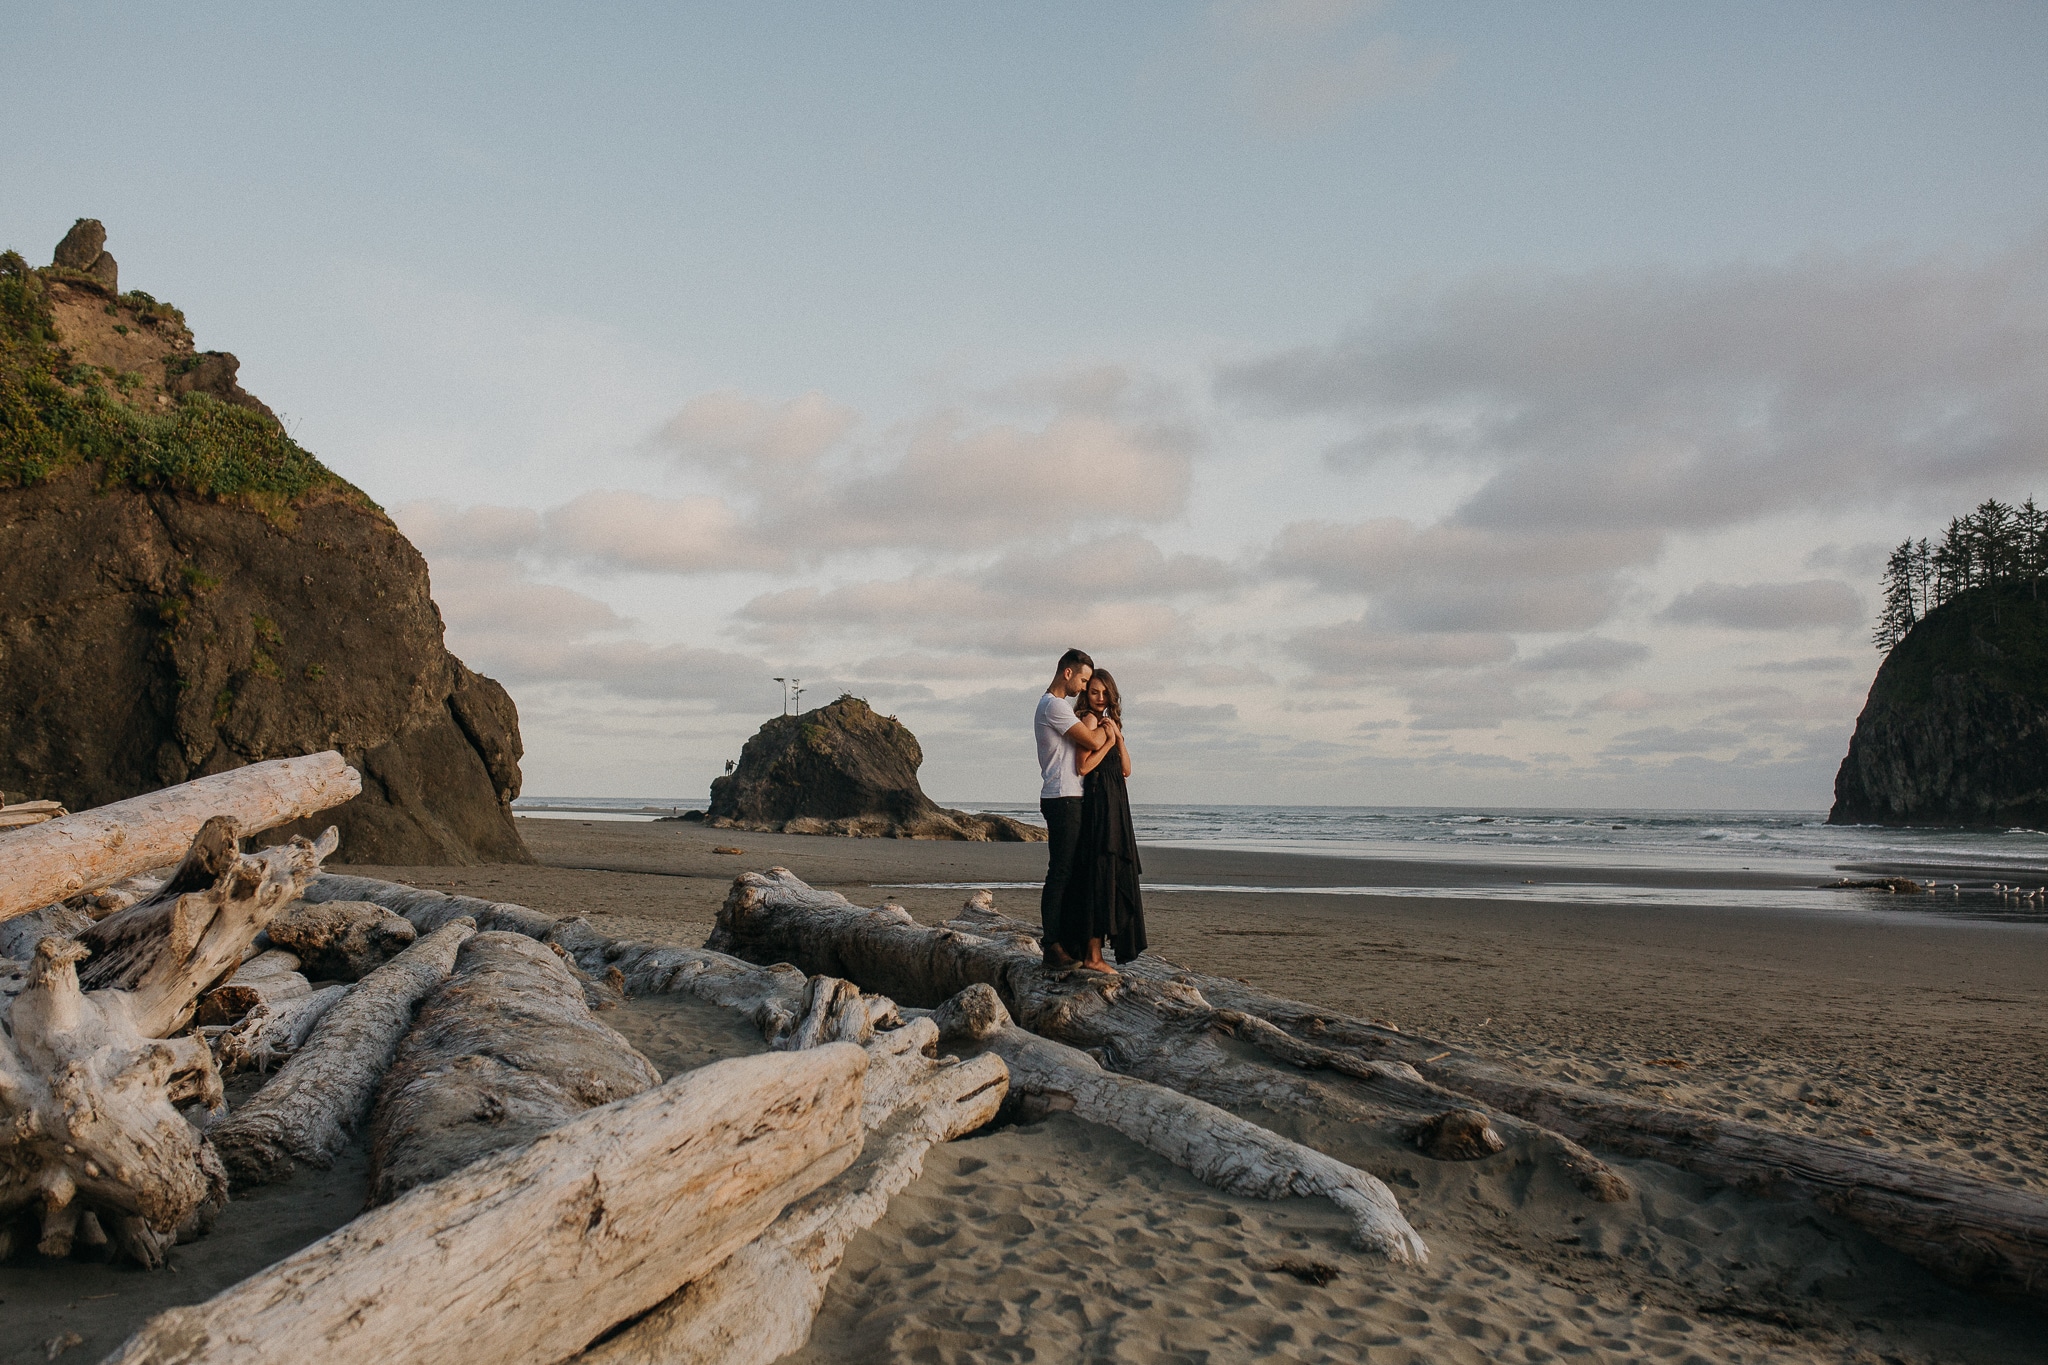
1102	903
1062	740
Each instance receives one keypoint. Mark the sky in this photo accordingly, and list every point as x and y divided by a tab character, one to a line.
1448	404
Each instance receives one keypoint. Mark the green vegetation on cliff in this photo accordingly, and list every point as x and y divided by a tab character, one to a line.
56	412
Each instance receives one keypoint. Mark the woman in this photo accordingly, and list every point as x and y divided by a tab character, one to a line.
1102	901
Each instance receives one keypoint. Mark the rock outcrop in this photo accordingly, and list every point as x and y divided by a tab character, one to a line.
186	590
1955	731
842	769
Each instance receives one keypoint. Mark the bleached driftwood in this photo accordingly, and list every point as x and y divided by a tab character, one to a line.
1969	1230
1161	1031
90	1083
78	853
342	940
759	1304
504	1050
24	813
270	979
429	910
308	1109
265	1036
1228	1152
528	1256
20	935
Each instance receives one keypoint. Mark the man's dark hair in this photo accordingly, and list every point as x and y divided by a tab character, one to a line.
1073	658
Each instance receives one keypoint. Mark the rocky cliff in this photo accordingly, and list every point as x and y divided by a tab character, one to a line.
842	769
184	589
1955	731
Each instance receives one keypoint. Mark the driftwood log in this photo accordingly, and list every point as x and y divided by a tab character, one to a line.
759	1304
269	979
309	1108
91	1083
1970	1231
79	853
528	1256
265	1036
503	1051
1162	1031
1229	1152
341	940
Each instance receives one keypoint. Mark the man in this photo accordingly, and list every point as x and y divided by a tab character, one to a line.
1062	739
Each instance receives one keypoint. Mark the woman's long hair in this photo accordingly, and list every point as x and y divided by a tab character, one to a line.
1112	700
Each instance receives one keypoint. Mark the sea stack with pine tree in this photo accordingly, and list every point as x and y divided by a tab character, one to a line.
843	769
1955	730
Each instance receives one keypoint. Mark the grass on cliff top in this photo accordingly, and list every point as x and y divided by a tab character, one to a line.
55	415
1997	633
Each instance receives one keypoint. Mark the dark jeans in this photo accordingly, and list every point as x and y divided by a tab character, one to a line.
1062	836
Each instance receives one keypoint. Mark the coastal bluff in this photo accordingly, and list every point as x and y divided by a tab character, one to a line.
842	769
1955	730
185	590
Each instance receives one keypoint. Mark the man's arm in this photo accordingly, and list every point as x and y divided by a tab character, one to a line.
1085	739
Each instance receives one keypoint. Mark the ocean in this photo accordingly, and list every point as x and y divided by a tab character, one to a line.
1972	865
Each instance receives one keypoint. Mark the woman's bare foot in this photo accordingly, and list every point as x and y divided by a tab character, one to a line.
1057	959
1093	962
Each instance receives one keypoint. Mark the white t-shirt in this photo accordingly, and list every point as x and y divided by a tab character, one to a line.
1058	760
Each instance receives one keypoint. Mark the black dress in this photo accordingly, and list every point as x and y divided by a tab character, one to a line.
1102	899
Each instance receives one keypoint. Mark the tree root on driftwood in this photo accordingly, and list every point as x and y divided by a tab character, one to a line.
504	1050
1971	1231
90	1083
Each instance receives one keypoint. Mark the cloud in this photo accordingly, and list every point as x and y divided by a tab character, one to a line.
1356	650
729	429
1663	400
1295	65
1768	606
1590	654
1666	739
440	530
949	612
1818	663
620	529
1466	578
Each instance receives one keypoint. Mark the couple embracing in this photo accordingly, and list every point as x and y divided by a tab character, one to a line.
1091	877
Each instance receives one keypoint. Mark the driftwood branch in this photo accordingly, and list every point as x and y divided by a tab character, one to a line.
504	1050
528	1256
341	940
308	1109
78	853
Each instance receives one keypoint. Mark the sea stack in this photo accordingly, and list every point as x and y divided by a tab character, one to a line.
1955	730
187	590
842	769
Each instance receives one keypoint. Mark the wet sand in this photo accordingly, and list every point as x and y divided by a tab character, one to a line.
1057	1241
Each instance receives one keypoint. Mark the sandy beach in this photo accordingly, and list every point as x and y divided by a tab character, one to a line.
1056	1240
